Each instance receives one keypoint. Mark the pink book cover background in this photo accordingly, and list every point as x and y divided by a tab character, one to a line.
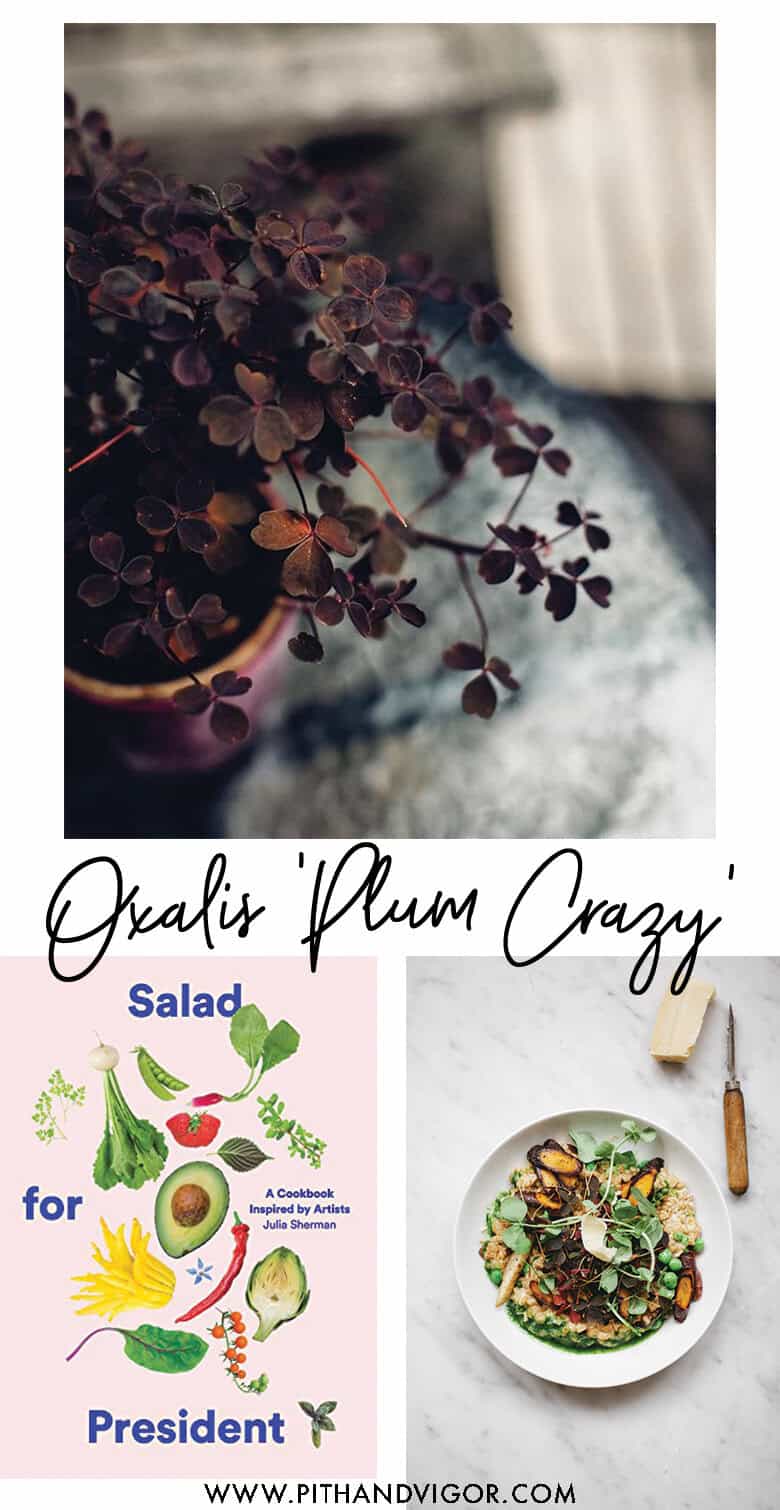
328	1353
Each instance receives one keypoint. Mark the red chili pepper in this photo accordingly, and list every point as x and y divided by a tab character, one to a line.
241	1238
210	1100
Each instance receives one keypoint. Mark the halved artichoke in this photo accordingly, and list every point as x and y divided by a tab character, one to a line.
277	1291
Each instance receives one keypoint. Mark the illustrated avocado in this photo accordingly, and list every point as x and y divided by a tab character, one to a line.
191	1206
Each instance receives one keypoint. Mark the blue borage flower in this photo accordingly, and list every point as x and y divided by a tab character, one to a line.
201	1271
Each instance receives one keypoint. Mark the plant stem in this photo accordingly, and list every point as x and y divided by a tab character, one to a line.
562	534
450	341
379	484
521	495
251	1085
114	314
466	580
460	547
106	446
91	1334
297	481
435	497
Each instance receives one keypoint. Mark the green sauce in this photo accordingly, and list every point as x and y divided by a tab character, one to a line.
546	1333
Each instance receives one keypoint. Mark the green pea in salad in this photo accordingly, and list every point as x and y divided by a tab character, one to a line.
591	1248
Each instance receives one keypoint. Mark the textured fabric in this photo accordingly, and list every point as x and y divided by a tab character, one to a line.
613	730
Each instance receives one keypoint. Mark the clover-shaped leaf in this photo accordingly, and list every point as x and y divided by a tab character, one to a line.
489	315
401	369
479	694
228	722
307	570
109	551
367	276
305	647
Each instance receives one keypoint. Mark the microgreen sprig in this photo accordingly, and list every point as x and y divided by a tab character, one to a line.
52	1104
301	1144
320	1417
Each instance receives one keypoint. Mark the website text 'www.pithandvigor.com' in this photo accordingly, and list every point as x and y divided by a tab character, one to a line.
390	1494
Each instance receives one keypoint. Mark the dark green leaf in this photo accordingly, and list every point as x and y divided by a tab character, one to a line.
164	1352
281	1043
248	1033
241	1154
103	1167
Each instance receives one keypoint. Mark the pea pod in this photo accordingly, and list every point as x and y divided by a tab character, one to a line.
159	1081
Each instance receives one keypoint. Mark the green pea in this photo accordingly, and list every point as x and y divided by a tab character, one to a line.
669	1281
675	1264
664	1256
698	1245
679	1237
496	1276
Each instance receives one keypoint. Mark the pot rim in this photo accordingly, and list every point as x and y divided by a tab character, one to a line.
123	693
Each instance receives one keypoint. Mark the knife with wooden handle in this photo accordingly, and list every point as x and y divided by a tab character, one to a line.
734	1121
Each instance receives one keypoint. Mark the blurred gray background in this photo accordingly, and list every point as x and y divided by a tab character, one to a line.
575	164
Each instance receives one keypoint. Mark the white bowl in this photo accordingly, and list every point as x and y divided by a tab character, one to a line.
591	1370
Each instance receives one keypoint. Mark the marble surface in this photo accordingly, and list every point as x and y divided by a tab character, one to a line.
489	1049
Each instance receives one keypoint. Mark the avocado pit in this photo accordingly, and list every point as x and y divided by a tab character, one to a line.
190	1205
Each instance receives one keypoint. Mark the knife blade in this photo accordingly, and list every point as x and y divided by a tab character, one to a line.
734	1118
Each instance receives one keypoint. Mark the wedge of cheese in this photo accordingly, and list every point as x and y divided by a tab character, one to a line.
679	1021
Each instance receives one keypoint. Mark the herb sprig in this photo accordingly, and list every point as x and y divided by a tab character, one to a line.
50	1112
320	1417
301	1144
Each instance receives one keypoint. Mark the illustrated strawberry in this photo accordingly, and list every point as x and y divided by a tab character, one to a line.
193	1130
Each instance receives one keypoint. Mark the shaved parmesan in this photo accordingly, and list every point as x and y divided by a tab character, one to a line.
593	1230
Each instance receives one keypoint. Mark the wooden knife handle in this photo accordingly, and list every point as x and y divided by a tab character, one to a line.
736	1140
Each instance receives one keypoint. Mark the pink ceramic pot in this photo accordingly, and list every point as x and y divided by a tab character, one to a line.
147	731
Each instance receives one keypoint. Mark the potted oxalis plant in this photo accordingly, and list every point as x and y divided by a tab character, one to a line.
218	340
